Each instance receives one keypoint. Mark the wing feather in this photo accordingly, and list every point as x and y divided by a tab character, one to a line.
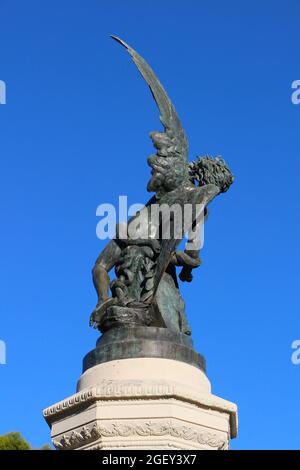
168	114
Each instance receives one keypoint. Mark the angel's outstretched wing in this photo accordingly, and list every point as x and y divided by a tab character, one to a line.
173	143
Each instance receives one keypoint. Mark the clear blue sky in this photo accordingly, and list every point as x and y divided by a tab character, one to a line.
74	134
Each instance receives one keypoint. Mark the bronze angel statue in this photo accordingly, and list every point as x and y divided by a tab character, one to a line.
145	292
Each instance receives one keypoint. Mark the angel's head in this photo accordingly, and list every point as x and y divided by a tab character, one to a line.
208	170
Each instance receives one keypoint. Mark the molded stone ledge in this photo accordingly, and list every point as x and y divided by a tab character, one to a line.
128	391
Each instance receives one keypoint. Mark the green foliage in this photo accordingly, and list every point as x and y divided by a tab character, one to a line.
13	441
46	447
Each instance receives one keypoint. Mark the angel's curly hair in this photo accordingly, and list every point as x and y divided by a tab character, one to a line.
208	170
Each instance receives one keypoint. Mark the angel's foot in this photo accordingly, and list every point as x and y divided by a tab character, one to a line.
188	331
99	311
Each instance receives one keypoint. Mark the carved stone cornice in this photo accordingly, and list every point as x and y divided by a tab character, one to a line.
142	390
138	429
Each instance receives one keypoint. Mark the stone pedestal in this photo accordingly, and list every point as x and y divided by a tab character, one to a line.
142	403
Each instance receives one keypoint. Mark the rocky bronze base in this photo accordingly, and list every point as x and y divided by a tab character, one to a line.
139	342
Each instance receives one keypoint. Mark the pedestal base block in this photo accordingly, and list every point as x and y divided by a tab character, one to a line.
142	403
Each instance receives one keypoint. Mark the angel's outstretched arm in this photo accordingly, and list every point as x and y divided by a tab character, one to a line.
104	263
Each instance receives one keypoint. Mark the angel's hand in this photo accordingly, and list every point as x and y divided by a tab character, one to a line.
182	258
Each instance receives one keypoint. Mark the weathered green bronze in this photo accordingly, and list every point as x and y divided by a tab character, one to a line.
145	302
